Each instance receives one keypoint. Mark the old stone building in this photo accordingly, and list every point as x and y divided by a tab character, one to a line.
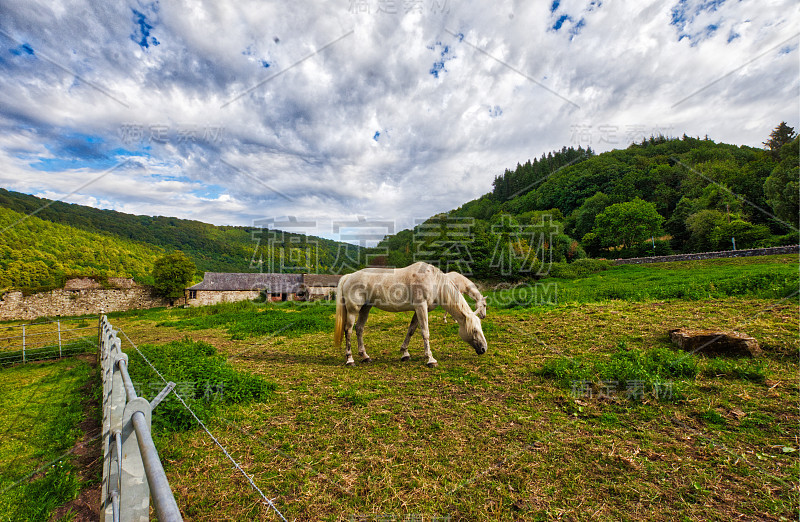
218	287
320	286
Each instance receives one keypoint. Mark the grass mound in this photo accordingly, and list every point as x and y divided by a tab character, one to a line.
203	379
657	372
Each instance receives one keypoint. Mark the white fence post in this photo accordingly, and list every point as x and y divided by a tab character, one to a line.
132	471
58	322
23	344
105	365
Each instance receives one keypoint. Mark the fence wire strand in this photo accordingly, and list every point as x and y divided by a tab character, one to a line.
202	425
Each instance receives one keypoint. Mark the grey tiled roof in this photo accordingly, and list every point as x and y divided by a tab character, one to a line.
274	283
320	280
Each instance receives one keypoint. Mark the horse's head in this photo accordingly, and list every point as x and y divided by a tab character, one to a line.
480	309
471	332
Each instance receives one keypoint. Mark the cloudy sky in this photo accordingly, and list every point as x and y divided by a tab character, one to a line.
231	112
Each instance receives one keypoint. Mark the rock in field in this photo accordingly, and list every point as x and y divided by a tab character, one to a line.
715	342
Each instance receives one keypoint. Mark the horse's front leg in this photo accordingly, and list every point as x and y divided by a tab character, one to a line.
422	317
363	314
412	327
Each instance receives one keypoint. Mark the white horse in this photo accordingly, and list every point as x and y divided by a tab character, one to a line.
419	288
465	286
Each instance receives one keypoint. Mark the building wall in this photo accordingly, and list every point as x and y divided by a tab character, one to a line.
14	305
316	293
209	297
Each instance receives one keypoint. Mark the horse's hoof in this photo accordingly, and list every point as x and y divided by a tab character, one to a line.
350	363
405	358
433	365
367	360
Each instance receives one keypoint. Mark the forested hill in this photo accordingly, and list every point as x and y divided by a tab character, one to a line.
38	255
212	248
660	196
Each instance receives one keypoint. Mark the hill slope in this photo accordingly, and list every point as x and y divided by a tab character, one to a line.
212	248
37	254
707	195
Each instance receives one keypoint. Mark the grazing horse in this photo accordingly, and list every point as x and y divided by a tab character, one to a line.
419	287
465	286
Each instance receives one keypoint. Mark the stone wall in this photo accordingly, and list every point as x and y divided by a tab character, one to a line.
711	255
79	301
210	297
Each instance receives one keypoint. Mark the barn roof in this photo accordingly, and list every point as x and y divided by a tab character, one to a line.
320	280
274	283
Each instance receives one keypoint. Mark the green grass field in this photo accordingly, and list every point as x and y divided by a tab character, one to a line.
532	430
40	410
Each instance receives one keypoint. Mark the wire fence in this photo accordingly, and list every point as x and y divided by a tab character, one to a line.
132	472
267	501
24	343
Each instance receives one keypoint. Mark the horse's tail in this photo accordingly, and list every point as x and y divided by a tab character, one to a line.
341	315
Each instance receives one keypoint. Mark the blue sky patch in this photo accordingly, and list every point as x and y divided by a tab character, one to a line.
560	22
684	13
265	64
445	55
210	191
576	29
77	151
141	31
495	112
21	49
376	135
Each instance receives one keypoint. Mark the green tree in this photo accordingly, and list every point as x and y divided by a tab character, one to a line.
584	216
746	235
171	274
676	224
782	186
627	224
705	227
780	136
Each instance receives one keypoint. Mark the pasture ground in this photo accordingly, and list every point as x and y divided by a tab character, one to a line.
43	414
531	430
507	435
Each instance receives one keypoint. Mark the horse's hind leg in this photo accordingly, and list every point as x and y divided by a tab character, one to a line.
363	314
412	327
348	326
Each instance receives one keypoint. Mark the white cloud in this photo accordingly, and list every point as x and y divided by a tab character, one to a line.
305	130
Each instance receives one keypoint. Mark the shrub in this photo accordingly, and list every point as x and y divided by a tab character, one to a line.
203	379
648	371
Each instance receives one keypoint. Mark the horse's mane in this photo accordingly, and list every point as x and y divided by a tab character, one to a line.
450	297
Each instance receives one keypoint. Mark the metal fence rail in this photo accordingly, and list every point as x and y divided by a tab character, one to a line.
132	470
